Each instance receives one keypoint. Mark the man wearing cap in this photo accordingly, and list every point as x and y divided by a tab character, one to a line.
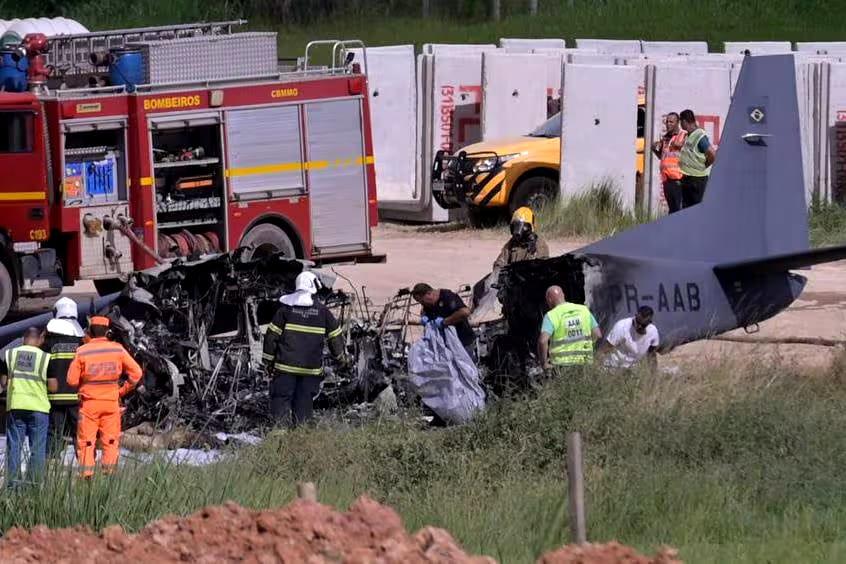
64	336
293	350
96	370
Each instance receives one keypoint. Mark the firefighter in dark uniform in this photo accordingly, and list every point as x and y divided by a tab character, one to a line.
64	336
293	351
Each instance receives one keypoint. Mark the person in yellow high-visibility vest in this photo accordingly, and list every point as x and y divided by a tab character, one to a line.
568	333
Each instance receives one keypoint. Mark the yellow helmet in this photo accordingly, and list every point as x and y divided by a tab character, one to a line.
524	215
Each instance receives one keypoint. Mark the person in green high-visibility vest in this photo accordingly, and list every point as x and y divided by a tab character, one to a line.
568	333
695	160
23	371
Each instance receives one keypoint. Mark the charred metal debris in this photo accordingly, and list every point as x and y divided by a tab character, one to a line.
196	328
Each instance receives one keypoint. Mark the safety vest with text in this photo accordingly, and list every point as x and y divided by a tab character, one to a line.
572	341
97	369
692	160
27	368
670	152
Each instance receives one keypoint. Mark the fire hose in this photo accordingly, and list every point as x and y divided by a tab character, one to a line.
124	226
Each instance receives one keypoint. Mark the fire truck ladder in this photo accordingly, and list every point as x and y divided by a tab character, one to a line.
343	53
70	54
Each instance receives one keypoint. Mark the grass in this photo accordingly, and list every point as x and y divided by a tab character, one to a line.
594	213
827	224
740	464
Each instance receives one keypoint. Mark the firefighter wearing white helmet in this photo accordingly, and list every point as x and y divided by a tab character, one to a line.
524	244
293	350
64	336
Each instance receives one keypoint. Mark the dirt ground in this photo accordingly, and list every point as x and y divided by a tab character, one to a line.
301	532
449	256
446	257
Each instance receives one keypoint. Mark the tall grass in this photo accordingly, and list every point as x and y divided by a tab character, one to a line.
594	213
737	463
827	224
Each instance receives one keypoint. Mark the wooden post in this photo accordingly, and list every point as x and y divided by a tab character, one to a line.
533	7
427	8
496	10
307	491
576	488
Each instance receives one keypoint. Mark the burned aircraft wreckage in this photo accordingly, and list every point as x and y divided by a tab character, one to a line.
723	264
197	328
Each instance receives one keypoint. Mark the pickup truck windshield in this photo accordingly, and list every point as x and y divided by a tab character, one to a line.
549	128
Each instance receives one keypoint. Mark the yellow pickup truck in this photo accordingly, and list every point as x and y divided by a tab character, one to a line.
497	177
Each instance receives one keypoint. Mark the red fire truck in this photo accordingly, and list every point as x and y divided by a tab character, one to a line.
132	147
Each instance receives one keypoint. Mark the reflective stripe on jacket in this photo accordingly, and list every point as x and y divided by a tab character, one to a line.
97	368
62	349
670	152
691	159
27	367
294	340
572	340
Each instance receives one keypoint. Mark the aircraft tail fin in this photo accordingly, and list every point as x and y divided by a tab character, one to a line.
782	263
754	204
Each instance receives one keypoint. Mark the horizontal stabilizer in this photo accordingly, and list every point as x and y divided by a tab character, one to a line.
782	263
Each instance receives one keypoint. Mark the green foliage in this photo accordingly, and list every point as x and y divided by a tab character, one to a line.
594	213
827	224
730	464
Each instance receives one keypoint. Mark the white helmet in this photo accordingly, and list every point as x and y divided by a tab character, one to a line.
65	308
307	282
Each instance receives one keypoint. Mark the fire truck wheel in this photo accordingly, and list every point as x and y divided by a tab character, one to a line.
7	292
266	239
109	286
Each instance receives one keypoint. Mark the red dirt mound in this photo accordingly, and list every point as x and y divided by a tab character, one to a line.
611	553
303	532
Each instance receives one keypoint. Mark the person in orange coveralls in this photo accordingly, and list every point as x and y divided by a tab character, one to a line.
96	370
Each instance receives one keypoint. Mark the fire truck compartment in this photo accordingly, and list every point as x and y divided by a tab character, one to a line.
94	180
94	163
337	179
189	184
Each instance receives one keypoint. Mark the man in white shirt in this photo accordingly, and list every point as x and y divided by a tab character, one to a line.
632	340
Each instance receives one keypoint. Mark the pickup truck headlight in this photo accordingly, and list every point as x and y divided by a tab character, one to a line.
487	164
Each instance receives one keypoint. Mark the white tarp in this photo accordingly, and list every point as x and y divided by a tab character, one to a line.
513	99
442	373
705	90
822	47
611	46
599	130
528	45
758	47
393	120
653	48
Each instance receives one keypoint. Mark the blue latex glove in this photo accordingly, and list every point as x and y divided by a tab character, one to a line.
439	322
424	320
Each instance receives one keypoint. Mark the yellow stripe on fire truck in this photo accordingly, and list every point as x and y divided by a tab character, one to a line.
23	196
288	167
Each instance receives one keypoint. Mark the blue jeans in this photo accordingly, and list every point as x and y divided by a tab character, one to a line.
20	425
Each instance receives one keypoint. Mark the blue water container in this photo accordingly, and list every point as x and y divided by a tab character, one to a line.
13	69
126	68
